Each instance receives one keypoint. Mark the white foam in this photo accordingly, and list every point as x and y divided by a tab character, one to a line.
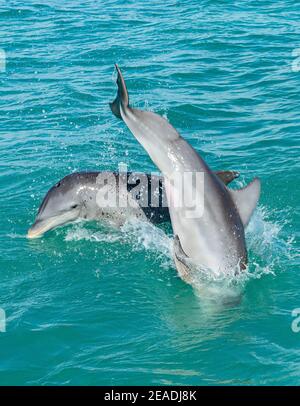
78	233
267	241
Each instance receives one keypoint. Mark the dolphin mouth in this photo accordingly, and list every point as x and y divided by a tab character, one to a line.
39	228
31	234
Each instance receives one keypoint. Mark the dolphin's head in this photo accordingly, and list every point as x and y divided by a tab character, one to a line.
62	204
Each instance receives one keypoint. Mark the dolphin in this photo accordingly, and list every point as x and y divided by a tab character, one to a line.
75	198
213	241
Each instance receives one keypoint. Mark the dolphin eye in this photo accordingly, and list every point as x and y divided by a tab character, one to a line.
74	206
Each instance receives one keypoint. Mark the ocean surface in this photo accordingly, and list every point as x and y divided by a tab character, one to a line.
93	305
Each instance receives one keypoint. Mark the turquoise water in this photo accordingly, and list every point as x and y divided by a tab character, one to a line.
87	304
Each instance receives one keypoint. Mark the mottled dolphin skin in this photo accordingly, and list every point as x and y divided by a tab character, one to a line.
214	241
75	197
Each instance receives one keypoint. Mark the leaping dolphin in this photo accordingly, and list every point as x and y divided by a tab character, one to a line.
75	197
214	241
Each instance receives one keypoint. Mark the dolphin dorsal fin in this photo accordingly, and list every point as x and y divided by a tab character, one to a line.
246	199
227	176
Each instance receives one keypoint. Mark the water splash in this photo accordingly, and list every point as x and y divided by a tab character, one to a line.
144	235
81	233
265	240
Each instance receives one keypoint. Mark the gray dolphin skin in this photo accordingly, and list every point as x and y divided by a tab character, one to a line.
75	197
215	240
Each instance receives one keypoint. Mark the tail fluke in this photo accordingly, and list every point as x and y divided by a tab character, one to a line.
122	99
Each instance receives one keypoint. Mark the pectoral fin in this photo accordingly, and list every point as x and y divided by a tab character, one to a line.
179	253
246	199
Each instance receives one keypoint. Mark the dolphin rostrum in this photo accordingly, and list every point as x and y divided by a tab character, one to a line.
215	239
76	197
